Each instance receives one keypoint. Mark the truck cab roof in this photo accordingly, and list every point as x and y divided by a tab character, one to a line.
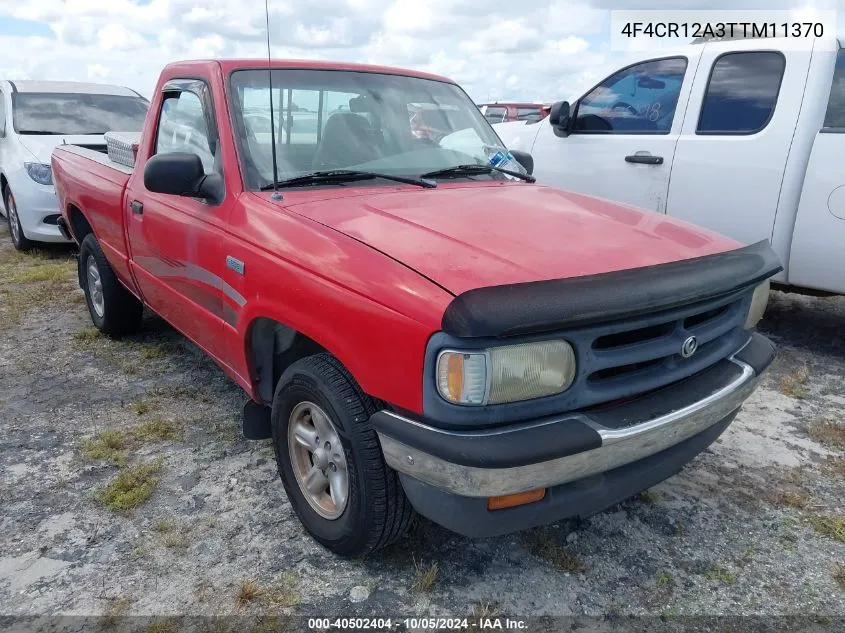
73	87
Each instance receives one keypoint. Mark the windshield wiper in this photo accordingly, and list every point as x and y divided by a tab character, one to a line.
475	168
346	175
40	132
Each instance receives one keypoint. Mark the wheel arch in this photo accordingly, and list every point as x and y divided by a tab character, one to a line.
272	347
79	224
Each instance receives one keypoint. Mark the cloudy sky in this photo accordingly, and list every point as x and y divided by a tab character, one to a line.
510	49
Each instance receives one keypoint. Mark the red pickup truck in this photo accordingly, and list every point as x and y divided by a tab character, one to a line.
418	328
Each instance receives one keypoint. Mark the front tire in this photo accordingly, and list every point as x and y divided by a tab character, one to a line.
345	495
19	240
114	310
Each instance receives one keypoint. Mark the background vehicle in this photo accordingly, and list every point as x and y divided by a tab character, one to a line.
35	116
415	329
499	112
741	136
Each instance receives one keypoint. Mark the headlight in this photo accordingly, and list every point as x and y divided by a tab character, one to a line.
505	374
40	173
758	305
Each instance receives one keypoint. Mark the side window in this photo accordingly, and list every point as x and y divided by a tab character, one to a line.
182	128
835	117
529	114
742	93
640	99
495	114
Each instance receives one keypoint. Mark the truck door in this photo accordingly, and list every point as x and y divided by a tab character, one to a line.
817	256
623	135
177	242
732	152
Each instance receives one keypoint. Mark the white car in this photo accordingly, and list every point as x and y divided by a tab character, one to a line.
745	137
35	117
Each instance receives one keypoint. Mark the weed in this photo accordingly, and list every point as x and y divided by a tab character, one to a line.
649	496
424	577
156	350
176	540
829	525
141	407
87	334
108	445
794	384
131	487
163	526
720	573
483	610
163	625
247	592
787	498
541	544
827	432
835	466
839	574
158	430
664	579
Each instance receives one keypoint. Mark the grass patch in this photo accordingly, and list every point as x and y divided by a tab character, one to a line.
424	577
87	334
839	574
835	466
131	487
650	497
52	272
794	384
541	544
827	432
141	407
176	541
158	430
247	592
109	445
156	350
829	525
163	625
31	280
484	610
721	574
798	499
163	526
664	579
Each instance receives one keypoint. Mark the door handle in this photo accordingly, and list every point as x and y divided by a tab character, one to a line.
137	207
644	159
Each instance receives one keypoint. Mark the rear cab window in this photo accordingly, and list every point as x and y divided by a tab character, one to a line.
834	120
529	114
741	93
639	99
495	114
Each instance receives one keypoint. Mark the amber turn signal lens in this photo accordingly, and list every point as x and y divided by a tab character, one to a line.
519	499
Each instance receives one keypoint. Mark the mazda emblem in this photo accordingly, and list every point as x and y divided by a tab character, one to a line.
689	347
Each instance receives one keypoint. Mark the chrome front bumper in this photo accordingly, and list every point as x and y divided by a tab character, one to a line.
618	447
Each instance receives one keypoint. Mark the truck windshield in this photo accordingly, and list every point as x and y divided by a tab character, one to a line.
76	113
364	121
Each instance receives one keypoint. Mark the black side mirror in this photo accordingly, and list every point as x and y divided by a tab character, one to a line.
182	174
559	118
525	159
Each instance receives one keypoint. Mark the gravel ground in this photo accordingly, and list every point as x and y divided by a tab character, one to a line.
755	525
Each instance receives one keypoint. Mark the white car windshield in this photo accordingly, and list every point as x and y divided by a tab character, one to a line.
325	120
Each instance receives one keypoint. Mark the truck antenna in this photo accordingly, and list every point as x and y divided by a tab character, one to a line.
276	195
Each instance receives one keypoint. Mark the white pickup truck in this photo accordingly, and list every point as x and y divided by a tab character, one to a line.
746	137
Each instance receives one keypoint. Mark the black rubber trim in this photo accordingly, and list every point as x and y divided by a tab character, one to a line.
469	515
759	353
541	306
498	448
14	87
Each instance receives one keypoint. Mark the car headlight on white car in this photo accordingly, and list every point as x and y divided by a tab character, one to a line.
510	373
759	301
40	173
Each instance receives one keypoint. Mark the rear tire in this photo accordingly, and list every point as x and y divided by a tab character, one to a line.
19	240
114	310
373	511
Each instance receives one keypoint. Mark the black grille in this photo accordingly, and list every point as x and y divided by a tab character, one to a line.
623	359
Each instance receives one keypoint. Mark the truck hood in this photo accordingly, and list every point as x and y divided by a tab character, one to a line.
466	237
42	146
